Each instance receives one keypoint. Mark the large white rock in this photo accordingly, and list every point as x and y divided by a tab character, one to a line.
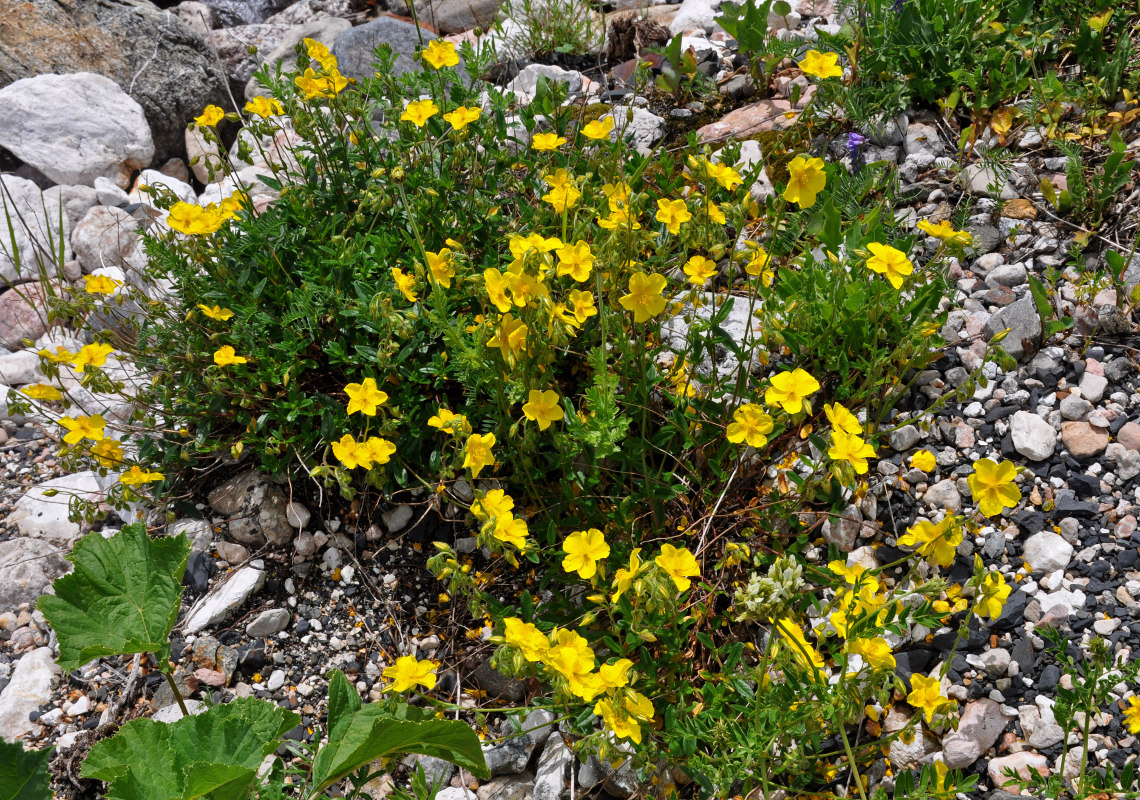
46	517
75	128
643	130
1033	437
159	181
31	686
36	227
226	598
1047	552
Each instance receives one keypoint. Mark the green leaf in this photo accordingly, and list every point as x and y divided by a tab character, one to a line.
344	701
374	733
122	598
24	773
214	755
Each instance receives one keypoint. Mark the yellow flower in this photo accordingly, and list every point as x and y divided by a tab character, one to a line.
923	460
575	260
616	675
347	452
510	529
408	671
461	117
699	269
788	390
852	449
510	338
945	231
713	212
80	428
758	265
527	638
264	107
92	355
749	424
137	476
801	649
992	486
841	419
624	578
224	356
583	305
496	286
673	214
364	397
477	452
41	391
494	503
994	592
1132	715
821	65
876	652
562	198
644	298
806	179
569	653
926	694
100	284
618	721
939	543
405	283
543	408
599	128
319	52
375	450
889	262
314	85
215	312
194	220
440	54
583	550
440	266
108	453
679	564
449	423
725	175
547	141
210	117
61	355
419	112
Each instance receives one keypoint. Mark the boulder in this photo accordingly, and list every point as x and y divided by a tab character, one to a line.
105	237
75	128
354	49
151	54
325	31
457	16
230	13
23	314
256	509
232	46
31	686
42	512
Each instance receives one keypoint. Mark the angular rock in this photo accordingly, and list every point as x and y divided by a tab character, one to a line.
269	622
457	16
1047	552
105	237
226	598
40	126
44	517
1033	437
1023	322
284	52
30	687
1021	763
256	509
156	59
763	115
354	48
978	731
508	757
230	13
1127	461
554	764
525	84
643	130
944	494
27	568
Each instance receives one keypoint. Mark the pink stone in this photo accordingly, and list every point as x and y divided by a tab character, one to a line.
763	115
1020	763
1128	435
1084	440
1094	366
210	677
23	314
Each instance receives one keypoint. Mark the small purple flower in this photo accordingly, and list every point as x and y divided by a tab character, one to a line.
897	6
855	142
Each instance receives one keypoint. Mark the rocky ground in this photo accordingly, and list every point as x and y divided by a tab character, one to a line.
277	595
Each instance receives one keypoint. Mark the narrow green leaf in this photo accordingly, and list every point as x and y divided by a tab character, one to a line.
122	598
24	773
373	733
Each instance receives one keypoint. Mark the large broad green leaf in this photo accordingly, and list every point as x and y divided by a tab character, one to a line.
373	732
122	598
213	755
24	773
344	702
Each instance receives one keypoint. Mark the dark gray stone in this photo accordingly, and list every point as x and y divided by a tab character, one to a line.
355	49
1023	322
166	67
497	685
231	13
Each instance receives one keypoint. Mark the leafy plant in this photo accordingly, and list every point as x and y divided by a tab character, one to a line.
24	773
678	70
